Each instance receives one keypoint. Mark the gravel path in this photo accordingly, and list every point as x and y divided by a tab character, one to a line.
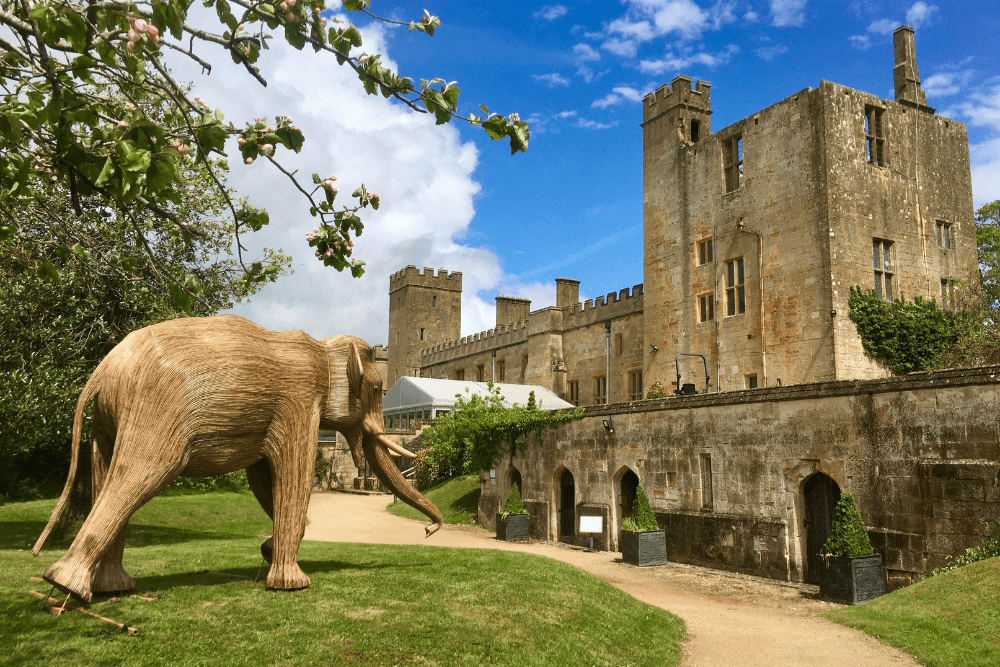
731	620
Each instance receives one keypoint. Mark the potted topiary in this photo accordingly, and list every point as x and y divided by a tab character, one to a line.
852	572
642	541
512	522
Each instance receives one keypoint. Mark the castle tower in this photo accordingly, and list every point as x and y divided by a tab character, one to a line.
424	310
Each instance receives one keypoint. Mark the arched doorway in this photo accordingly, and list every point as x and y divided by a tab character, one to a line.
628	486
821	496
567	507
515	480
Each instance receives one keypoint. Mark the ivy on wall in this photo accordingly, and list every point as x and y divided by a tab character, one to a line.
908	336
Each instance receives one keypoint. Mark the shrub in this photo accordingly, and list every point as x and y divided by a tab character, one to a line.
656	391
513	503
642	518
990	548
234	482
847	535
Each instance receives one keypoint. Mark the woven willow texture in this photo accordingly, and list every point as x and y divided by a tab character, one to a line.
206	396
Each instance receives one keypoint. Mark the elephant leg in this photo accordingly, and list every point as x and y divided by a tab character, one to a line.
130	483
292	451
109	575
259	478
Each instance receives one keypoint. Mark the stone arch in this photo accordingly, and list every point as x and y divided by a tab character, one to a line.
625	483
820	493
564	495
514	477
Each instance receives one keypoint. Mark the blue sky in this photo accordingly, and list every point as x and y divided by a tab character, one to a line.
572	205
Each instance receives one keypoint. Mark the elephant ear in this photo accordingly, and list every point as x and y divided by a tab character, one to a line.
355	371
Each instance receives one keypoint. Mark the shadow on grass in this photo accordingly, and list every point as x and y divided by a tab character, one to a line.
23	534
468	503
166	582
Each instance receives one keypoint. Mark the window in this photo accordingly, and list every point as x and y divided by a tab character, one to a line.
460	374
600	390
695	130
706	481
499	372
619	344
635	385
434	302
732	153
574	392
706	311
421	334
882	262
736	301
705	252
875	136
947	293
943	231
480	373
751	381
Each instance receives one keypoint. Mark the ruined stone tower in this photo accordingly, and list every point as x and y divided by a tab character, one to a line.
424	310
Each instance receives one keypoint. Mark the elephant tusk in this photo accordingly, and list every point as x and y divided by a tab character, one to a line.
393	447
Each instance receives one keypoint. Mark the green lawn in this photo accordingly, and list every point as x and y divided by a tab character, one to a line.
457	498
950	620
368	604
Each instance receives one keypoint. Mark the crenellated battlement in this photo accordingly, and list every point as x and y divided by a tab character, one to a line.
427	278
501	336
615	304
677	93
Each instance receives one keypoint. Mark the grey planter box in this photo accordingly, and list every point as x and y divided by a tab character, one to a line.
644	548
514	528
852	580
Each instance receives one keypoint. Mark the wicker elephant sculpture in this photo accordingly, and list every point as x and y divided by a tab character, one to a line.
206	396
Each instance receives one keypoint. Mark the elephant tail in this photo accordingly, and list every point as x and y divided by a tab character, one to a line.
89	390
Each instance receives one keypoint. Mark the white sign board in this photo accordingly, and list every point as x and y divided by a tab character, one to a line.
591	524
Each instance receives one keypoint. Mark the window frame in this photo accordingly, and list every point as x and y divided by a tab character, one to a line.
942	232
735	281
704	254
460	374
481	373
707	298
574	392
600	390
947	293
732	152
635	384
500	372
883	265
874	126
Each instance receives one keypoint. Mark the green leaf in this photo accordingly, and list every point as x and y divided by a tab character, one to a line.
48	272
7	232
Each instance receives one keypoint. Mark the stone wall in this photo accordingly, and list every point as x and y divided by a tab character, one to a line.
424	309
920	452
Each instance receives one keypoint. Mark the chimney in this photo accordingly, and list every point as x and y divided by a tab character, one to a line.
905	75
512	309
567	292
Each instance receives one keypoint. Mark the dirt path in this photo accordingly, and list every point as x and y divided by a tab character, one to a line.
730	620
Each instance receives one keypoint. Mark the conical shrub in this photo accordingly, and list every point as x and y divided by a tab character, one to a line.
513	503
642	512
847	535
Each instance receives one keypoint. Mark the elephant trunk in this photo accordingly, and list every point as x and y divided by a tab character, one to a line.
385	469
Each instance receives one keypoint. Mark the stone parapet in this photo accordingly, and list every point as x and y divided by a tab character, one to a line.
614	305
491	339
411	276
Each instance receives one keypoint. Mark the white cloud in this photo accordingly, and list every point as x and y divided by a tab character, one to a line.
586	53
565	114
860	42
943	84
672	62
551	12
618	95
769	53
985	171
608	100
424	173
751	17
552	79
594	125
883	27
919	14
620	47
788	12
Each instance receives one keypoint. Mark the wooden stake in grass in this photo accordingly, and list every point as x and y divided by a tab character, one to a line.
207	396
57	611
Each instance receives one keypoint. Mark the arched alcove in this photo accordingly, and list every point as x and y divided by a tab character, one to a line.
514	479
565	503
820	495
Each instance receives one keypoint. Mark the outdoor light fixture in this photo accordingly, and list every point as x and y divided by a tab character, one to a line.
655	349
608	426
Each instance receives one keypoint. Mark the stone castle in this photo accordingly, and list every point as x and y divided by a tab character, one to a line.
753	237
